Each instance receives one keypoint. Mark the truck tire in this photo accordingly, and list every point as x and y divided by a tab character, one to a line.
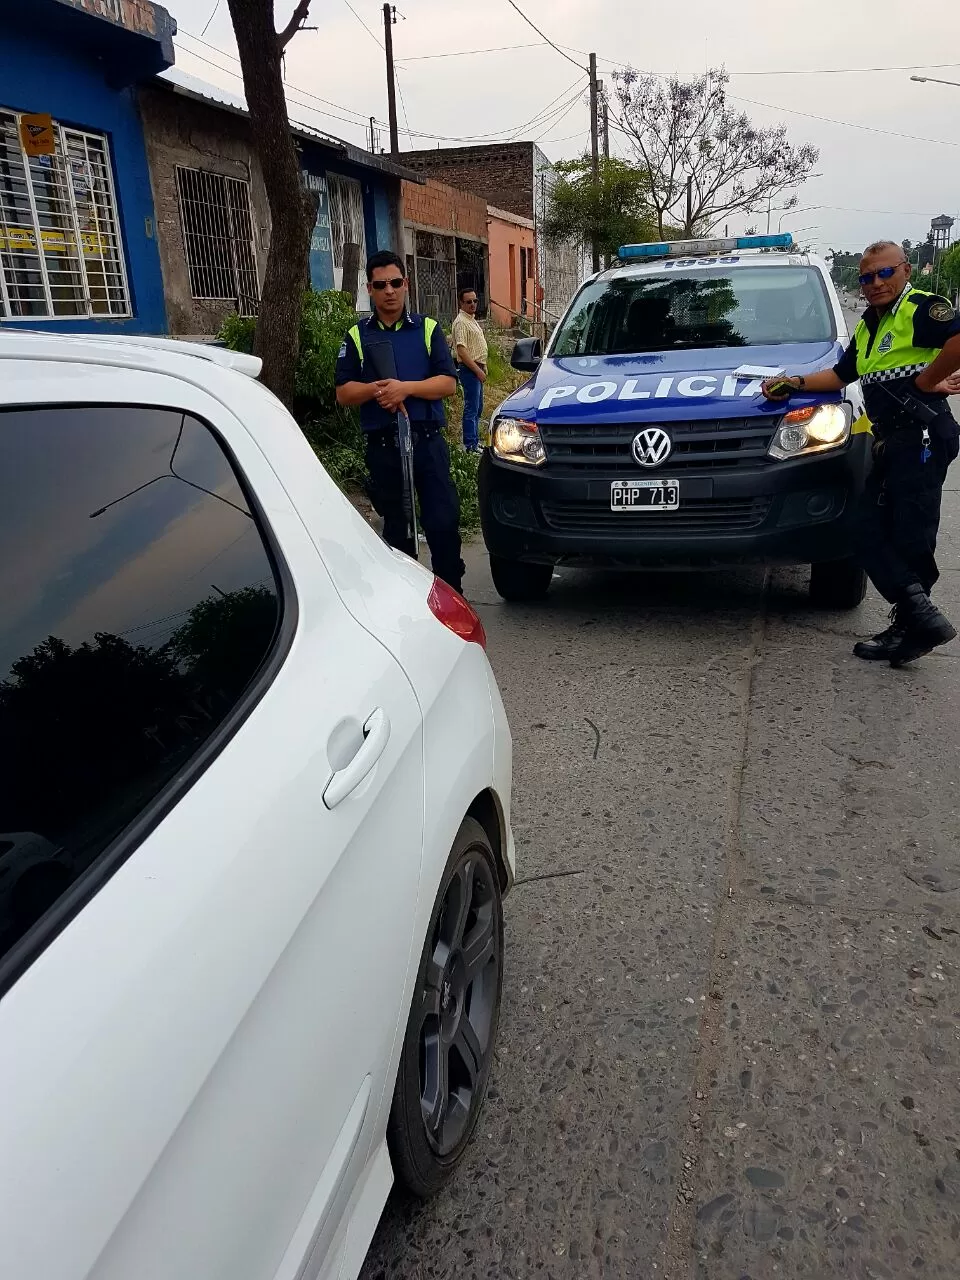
837	584
518	581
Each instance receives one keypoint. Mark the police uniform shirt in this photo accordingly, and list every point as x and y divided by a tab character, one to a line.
935	321
419	355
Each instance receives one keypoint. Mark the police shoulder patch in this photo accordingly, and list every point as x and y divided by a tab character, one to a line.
342	352
941	310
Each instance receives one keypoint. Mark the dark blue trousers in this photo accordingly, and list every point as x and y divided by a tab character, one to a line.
439	503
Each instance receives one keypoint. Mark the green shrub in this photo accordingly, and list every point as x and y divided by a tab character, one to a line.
463	469
325	318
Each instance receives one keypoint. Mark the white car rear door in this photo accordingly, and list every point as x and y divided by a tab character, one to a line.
191	1067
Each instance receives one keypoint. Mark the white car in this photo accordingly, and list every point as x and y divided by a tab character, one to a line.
268	760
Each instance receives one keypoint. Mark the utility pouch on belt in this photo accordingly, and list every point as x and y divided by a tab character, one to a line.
913	411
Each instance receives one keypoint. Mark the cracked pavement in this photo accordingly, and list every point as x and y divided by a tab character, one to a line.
729	1045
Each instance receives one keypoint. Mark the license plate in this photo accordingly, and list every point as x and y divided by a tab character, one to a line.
644	495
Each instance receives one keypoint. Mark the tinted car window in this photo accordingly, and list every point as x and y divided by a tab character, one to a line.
139	601
752	306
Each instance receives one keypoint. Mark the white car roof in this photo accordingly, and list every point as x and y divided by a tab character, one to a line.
727	261
128	350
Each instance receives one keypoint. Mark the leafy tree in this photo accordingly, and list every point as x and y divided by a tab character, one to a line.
225	638
927	251
687	138
949	277
293	209
616	211
74	722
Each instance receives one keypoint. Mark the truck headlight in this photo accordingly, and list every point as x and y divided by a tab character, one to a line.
516	440
814	429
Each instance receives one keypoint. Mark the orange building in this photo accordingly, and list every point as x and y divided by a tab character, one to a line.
513	266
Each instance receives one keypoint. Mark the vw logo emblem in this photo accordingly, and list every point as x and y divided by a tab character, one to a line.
651	447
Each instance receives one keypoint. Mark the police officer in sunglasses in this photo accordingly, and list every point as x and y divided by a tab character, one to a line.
425	377
906	353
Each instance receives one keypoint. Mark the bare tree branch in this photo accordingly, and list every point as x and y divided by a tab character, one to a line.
686	131
294	25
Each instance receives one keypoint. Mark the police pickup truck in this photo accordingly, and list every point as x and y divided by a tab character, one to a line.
642	437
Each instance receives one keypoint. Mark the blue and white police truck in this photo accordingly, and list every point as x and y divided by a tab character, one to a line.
642	437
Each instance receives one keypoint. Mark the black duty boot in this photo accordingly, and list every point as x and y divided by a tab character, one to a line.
926	627
880	648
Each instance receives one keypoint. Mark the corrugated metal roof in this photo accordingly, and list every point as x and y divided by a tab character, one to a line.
193	87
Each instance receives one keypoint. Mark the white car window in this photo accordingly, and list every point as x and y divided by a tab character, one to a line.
139	602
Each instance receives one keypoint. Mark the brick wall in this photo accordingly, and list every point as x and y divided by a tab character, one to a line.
501	174
445	208
180	131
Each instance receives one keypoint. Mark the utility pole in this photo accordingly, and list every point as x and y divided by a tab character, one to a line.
373	134
606	127
389	18
594	150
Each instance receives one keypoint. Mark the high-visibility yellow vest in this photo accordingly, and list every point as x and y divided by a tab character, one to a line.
893	354
429	327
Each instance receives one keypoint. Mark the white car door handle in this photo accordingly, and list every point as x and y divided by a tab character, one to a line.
376	735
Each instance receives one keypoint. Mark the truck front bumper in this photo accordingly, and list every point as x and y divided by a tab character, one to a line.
797	512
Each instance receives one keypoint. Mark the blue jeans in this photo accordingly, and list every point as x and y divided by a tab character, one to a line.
472	408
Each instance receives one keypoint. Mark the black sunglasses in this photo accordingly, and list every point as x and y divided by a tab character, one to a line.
379	285
884	273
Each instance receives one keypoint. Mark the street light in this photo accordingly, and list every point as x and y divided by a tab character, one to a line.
934	80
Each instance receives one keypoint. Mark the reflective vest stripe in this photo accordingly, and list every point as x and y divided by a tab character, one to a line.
888	375
429	329
892	354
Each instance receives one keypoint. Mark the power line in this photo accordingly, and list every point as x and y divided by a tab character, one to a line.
849	71
556	120
787	71
206	25
370	33
468	53
509	134
498	135
543	35
848	124
361	119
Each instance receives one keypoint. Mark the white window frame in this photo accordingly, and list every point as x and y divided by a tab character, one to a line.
224	238
98	227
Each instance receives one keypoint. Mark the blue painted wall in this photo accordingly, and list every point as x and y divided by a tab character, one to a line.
37	74
381	192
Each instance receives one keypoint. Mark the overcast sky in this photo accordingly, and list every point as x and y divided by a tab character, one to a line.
876	185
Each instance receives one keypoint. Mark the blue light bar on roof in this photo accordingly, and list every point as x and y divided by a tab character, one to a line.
701	248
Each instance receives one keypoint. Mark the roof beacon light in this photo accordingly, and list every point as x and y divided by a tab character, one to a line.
702	248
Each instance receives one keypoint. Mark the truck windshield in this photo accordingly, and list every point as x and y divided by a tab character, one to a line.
748	307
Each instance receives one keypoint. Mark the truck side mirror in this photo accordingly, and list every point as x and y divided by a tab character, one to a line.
527	355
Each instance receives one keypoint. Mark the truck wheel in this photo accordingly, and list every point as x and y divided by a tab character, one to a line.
517	580
837	584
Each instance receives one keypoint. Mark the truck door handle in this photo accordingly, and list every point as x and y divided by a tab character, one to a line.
376	735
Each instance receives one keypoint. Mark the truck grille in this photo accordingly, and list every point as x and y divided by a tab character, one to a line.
707	444
706	515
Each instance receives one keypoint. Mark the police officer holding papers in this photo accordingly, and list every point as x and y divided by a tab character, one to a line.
425	375
905	352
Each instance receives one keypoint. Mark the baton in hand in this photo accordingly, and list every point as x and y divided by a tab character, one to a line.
383	365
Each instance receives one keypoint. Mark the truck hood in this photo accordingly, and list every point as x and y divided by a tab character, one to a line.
665	385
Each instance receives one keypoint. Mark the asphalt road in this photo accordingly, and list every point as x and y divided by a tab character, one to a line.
730	1042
